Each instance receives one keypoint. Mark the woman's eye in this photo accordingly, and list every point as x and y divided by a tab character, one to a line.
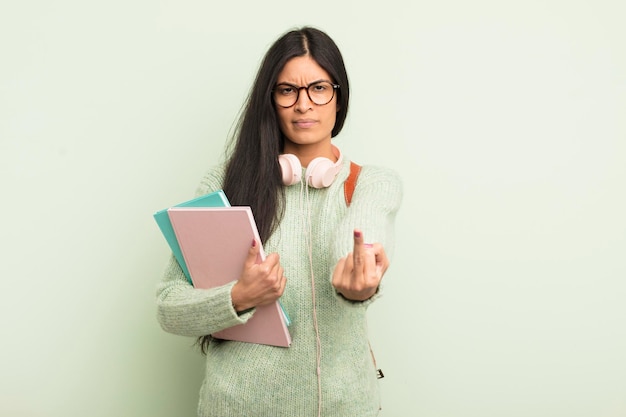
286	90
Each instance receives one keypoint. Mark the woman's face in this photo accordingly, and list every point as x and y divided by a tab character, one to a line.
305	124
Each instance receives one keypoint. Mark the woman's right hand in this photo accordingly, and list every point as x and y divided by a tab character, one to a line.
259	284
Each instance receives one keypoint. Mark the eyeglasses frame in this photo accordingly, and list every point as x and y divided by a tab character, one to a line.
306	88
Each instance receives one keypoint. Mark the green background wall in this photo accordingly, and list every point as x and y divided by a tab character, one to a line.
505	119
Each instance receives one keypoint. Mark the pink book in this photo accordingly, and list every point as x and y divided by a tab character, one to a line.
214	242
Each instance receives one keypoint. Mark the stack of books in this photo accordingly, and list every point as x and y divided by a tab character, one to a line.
210	239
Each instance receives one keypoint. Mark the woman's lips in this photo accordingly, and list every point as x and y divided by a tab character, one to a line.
304	123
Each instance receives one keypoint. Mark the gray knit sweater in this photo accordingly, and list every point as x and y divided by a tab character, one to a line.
251	380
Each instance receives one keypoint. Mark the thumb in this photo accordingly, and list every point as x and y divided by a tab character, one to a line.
253	253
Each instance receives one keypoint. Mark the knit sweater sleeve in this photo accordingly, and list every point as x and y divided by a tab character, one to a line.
187	311
375	203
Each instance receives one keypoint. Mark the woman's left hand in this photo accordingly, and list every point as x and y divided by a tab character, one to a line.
358	275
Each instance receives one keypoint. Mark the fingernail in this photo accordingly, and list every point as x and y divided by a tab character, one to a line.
253	243
368	245
357	234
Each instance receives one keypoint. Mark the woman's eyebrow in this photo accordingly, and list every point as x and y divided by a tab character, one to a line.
296	85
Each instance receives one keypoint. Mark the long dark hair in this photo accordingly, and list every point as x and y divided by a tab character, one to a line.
253	176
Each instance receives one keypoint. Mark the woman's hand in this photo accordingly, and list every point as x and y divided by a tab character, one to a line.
358	275
259	284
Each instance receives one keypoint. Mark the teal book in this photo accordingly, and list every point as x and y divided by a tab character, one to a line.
215	199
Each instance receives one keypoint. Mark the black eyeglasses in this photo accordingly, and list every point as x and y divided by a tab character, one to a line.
319	92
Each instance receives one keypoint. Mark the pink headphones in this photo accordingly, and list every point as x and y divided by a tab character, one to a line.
320	173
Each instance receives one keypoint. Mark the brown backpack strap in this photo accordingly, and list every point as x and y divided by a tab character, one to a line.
350	184
379	372
348	189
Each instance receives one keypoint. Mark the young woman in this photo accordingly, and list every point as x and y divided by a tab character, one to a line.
283	165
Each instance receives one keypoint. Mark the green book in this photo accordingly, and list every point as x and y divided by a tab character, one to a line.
215	199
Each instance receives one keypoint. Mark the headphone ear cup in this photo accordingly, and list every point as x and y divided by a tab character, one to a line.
320	173
290	168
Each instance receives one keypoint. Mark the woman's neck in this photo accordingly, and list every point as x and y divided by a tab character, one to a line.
306	153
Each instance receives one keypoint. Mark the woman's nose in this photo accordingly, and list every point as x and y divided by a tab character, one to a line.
303	103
